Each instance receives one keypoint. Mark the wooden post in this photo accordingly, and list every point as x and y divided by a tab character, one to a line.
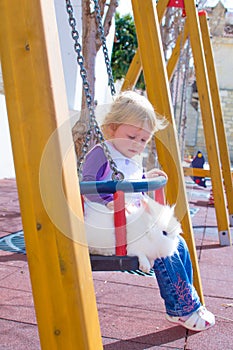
46	175
209	126
180	42
133	72
154	69
135	67
218	115
219	135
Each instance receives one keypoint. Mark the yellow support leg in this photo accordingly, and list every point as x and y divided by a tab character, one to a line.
161	8
135	67
180	42
208	121
154	69
57	255
130	82
218	115
133	72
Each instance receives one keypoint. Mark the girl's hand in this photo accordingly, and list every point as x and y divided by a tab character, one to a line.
154	173
110	205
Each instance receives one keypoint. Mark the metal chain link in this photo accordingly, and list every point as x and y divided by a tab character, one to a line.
94	129
104	46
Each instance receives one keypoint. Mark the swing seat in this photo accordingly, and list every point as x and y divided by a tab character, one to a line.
120	261
114	263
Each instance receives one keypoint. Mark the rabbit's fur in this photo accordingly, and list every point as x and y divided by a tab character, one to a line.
152	231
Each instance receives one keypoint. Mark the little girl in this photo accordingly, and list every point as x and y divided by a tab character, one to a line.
128	127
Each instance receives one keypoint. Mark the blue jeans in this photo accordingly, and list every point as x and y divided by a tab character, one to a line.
175	277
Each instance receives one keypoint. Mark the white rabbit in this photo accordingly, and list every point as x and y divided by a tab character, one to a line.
152	231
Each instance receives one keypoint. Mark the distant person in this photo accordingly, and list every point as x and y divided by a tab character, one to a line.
198	162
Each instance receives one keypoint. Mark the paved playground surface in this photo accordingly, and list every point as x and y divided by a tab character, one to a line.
131	311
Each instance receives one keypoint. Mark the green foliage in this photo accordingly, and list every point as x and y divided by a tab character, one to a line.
124	48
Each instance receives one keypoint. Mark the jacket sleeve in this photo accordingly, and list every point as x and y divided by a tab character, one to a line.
94	168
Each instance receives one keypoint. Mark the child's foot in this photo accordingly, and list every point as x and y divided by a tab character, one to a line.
199	320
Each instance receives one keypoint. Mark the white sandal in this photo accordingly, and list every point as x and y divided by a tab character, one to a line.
199	320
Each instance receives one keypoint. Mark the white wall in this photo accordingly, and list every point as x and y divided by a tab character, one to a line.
72	80
223	54
71	69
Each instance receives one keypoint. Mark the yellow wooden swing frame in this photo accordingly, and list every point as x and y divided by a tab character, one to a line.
58	257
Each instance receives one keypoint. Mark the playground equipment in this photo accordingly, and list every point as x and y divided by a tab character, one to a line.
37	109
120	261
196	28
118	186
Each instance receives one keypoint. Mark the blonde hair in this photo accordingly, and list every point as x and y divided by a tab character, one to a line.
131	108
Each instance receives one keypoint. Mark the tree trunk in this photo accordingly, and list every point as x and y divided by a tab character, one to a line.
90	46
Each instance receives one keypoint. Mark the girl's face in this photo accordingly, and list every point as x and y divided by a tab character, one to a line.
128	139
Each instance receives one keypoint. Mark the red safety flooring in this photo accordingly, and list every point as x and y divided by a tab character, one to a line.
131	311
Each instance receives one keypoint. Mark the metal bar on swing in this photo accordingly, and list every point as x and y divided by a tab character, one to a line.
144	185
120	223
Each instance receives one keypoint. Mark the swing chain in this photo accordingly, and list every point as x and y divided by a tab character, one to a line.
93	129
104	46
80	59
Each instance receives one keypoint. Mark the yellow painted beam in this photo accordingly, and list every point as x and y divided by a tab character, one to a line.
188	171
196	172
180	42
208	121
135	67
154	69
161	8
133	73
218	115
46	175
